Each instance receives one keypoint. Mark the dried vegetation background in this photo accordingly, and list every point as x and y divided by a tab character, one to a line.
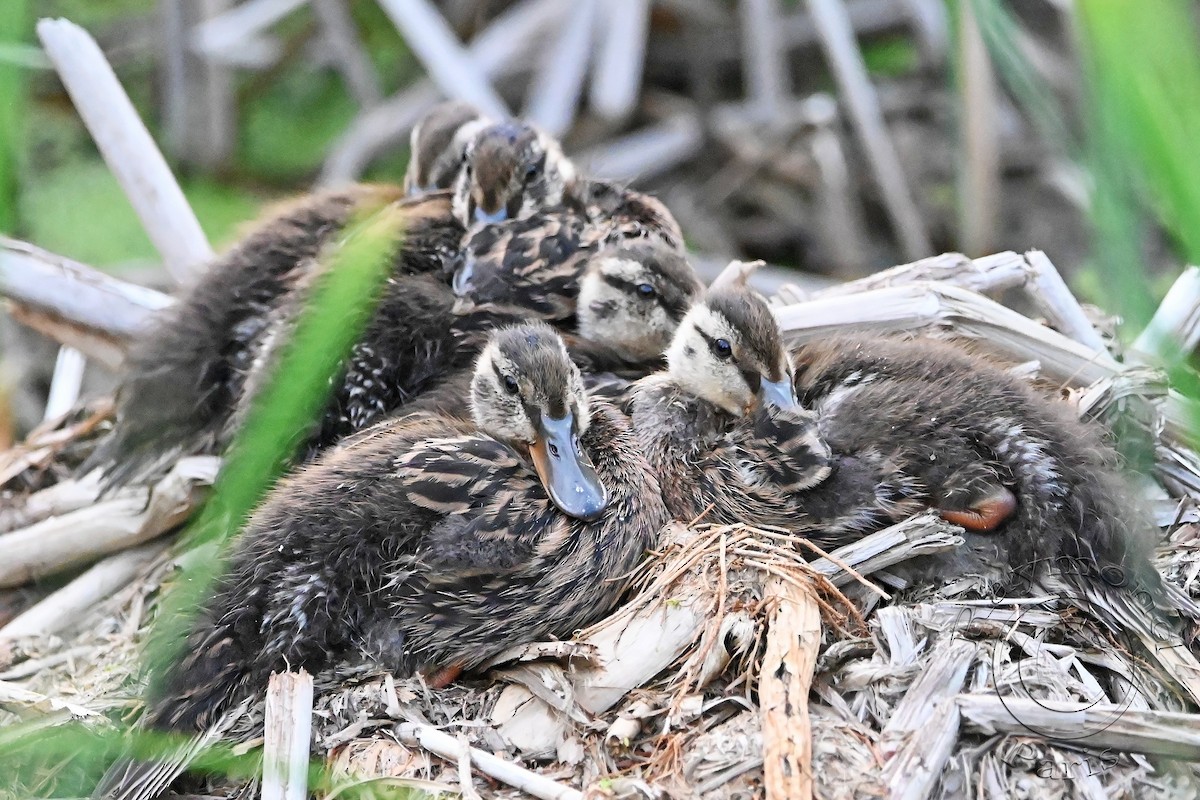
832	138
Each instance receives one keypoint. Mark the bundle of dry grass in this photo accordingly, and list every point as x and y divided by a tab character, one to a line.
745	663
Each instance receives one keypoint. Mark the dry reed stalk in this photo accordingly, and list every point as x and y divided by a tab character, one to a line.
126	145
128	518
785	677
449	748
69	604
286	734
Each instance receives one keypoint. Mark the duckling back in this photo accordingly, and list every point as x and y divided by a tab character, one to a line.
963	427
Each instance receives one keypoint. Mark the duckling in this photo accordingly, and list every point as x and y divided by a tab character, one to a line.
726	436
536	262
429	545
927	424
184	375
511	170
438	146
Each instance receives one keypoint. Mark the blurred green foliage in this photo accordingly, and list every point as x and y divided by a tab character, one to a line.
1142	61
14	28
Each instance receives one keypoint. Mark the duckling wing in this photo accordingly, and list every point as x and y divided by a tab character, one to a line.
475	478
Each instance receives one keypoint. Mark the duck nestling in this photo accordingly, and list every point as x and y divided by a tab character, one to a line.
427	543
438	146
511	171
721	424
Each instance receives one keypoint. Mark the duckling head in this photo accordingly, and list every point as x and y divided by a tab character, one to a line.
633	296
528	393
512	170
728	350
438	146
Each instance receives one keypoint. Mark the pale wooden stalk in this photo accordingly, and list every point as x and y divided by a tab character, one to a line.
924	534
1089	725
558	82
647	152
842	228
64	496
764	59
979	175
451	66
915	768
68	605
126	145
105	349
1174	329
987	275
938	684
232	29
1053	298
346	50
793	643
850	72
75	292
446	746
129	518
65	383
617	78
924	305
735	274
287	731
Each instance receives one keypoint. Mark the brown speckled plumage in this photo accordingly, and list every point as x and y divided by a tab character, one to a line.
536	262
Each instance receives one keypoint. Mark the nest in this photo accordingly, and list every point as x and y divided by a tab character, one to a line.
744	662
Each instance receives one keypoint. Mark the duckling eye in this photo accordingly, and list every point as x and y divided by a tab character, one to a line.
532	171
723	349
510	384
646	290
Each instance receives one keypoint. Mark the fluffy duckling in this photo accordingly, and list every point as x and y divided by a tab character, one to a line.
536	262
510	170
1028	480
438	146
892	427
431	544
722	427
184	375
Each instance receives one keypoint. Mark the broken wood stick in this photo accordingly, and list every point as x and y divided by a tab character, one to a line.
128	518
939	683
450	66
75	292
785	677
68	605
1094	726
287	731
854	88
126	145
913	771
449	748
